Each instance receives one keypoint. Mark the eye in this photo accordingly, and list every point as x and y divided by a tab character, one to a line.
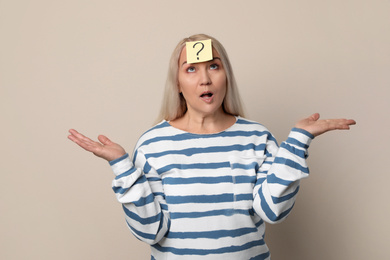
190	69
214	66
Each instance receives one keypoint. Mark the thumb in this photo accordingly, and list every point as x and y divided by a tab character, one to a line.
104	140
315	116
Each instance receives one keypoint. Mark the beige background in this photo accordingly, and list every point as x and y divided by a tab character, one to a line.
99	66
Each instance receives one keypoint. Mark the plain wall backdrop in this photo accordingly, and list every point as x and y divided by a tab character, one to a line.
100	67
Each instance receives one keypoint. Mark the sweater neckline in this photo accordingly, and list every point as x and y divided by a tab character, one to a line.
206	134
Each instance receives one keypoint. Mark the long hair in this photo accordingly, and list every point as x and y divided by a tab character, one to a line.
174	105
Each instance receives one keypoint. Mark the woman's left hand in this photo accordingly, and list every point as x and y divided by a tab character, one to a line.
316	127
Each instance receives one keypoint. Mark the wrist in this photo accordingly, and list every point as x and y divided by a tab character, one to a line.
118	159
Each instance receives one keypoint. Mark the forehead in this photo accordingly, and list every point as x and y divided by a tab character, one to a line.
183	55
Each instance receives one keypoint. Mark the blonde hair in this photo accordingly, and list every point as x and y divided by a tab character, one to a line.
174	105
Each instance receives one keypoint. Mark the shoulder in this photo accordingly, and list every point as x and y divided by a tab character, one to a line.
255	129
160	130
249	125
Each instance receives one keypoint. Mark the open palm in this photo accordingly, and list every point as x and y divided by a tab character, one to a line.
313	125
105	148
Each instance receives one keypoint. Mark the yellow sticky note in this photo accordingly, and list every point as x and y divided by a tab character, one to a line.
199	51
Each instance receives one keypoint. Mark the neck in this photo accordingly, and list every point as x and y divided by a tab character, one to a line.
204	124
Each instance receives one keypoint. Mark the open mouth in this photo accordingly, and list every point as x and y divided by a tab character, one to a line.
206	94
207	97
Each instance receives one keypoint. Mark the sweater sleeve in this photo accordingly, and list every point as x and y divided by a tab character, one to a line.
279	176
138	187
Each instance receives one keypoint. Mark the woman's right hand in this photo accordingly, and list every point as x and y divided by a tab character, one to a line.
105	149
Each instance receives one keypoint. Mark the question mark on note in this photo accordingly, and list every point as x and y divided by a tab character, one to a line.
197	54
199	51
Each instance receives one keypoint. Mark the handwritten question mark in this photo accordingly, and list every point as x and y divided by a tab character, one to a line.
197	54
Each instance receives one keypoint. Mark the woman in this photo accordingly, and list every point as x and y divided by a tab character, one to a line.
203	181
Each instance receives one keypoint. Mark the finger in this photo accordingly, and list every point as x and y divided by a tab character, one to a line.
83	141
89	146
315	116
81	137
76	134
342	124
348	122
104	140
72	138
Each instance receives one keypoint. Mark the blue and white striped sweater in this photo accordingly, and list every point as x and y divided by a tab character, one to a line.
206	196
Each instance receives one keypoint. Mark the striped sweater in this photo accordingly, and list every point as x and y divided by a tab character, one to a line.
207	196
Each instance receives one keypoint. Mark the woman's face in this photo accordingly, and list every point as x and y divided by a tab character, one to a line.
202	84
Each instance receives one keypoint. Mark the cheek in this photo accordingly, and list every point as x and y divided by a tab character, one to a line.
221	78
185	83
222	83
181	83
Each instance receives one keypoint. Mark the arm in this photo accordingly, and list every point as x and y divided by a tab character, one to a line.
136	185
139	188
279	176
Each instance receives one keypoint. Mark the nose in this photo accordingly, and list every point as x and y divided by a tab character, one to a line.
205	79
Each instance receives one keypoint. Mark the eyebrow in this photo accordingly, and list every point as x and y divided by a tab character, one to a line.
215	58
